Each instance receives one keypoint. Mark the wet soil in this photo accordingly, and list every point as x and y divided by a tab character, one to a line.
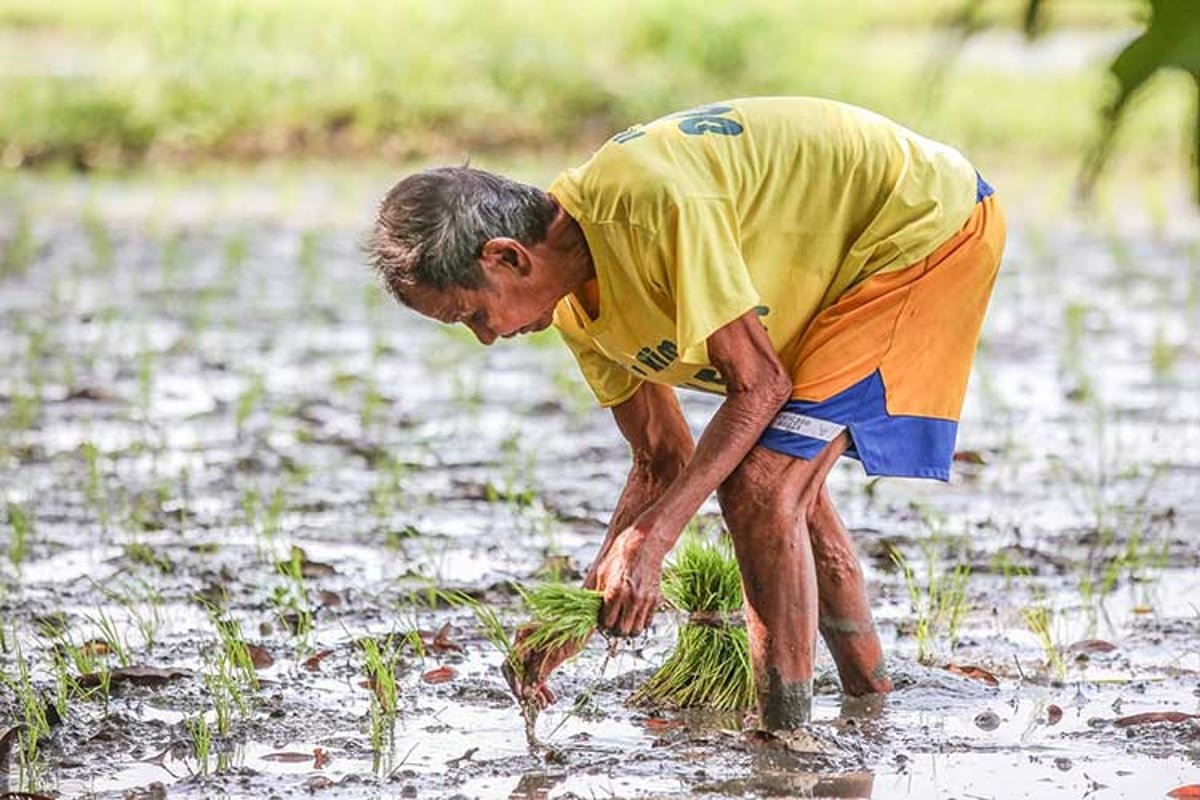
197	376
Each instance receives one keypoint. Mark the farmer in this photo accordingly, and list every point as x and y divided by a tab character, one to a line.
823	268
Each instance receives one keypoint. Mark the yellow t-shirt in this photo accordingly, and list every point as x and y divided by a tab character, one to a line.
776	204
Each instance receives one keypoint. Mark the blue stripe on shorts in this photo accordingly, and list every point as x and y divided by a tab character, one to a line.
899	446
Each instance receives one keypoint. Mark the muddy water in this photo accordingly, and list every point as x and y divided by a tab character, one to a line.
196	376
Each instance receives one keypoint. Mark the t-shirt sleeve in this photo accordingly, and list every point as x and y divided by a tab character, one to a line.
707	278
609	382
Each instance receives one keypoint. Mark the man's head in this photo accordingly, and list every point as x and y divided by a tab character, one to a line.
450	240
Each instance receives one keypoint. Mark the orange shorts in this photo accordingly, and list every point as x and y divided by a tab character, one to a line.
889	360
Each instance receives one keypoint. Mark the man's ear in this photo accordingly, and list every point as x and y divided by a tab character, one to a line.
505	253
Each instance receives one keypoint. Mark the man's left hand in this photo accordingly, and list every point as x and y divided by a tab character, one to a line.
629	575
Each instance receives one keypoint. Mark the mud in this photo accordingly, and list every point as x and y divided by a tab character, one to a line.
196	376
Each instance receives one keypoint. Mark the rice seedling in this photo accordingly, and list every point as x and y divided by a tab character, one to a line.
248	401
379	663
99	240
112	636
201	736
563	616
233	645
22	528
19	249
710	665
31	713
236	251
145	378
1039	620
291	599
939	603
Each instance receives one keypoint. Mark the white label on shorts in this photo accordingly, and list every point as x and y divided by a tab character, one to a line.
806	426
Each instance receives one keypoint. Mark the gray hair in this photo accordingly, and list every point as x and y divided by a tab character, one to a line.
432	226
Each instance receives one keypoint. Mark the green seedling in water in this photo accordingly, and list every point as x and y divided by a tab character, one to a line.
22	527
710	665
1038	618
111	635
248	401
379	662
19	249
32	711
201	736
291	599
939	604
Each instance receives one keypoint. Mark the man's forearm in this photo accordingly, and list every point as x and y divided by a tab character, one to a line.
730	435
647	482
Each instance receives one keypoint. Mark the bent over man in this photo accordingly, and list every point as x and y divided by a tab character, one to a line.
823	268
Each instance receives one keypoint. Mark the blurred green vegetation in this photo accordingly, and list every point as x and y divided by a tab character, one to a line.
102	82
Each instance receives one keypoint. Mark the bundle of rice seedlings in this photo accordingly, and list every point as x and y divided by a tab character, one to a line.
562	615
710	666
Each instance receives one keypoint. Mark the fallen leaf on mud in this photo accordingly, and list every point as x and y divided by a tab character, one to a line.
440	675
96	393
289	758
1191	790
1142	610
308	568
24	796
1154	717
94	648
7	740
329	599
313	662
442	642
1054	714
655	724
969	457
138	676
318	783
320	758
1092	646
973	672
259	656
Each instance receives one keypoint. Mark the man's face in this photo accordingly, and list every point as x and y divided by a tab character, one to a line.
508	305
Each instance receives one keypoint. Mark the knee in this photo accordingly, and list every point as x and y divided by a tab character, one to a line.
752	494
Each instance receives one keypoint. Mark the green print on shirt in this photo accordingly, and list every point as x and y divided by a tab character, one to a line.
662	355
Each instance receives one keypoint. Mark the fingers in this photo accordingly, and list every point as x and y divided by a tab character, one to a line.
628	613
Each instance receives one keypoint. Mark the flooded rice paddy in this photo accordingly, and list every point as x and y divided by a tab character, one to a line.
216	432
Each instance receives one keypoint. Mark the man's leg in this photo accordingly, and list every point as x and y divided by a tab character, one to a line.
845	612
767	503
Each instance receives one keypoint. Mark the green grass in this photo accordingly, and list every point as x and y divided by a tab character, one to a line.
409	78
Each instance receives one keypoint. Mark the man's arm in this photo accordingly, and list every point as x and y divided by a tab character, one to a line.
756	386
661	445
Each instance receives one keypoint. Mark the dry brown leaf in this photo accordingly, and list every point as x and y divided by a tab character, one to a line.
138	676
656	725
442	642
969	457
288	758
1154	717
1092	646
974	673
440	675
320	758
259	657
313	662
7	740
1054	714
1191	790
94	648
329	599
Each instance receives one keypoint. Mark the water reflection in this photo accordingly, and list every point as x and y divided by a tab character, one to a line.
535	786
